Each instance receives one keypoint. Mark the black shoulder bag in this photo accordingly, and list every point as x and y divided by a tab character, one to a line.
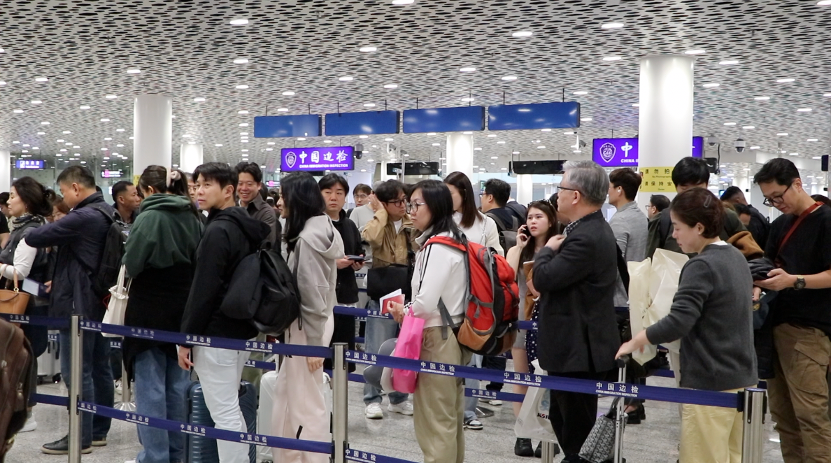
384	280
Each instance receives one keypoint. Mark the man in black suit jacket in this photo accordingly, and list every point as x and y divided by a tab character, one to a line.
576	275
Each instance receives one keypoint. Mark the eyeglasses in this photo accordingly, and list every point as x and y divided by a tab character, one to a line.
413	207
567	188
648	207
776	199
398	202
361	196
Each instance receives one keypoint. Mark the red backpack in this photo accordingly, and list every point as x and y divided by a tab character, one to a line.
489	327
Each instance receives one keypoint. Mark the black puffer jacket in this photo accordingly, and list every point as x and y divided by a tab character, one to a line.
346	289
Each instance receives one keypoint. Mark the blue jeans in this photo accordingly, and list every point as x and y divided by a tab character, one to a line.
97	381
161	391
470	401
378	331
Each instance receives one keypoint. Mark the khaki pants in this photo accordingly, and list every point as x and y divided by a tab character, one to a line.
711	433
253	374
439	399
799	395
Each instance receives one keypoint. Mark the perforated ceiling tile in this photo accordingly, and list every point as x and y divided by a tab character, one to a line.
187	49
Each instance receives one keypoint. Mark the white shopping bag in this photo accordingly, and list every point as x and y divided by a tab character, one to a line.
533	420
118	302
661	279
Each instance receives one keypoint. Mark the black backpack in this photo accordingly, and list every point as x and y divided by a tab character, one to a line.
508	237
264	291
108	267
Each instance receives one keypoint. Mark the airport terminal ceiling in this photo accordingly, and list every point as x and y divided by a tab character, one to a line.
69	71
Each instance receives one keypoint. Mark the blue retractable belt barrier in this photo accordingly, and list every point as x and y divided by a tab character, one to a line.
51	399
210	432
364	456
51	322
494	395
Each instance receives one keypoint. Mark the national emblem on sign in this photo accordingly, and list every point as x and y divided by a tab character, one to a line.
290	159
607	152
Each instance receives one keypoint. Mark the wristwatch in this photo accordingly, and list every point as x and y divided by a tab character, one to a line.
800	283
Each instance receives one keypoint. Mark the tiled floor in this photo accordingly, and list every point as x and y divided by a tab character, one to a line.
655	440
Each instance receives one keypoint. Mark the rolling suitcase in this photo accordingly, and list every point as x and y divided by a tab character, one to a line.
203	449
49	363
264	413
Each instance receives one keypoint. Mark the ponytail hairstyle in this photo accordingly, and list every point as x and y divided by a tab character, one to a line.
157	177
37	198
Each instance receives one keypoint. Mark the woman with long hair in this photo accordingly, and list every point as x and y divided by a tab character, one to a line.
476	227
29	205
541	225
160	255
313	245
439	274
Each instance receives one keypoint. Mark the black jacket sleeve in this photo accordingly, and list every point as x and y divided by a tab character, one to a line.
556	271
213	259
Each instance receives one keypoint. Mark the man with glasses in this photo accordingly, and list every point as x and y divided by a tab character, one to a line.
687	174
390	235
658	203
799	246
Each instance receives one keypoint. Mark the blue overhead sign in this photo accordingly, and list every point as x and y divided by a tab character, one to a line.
458	119
299	125
29	164
364	123
558	115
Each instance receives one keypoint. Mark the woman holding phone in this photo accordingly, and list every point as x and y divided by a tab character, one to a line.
541	225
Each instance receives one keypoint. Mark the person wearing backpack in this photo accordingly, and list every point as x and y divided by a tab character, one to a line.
80	237
29	203
576	274
230	236
314	245
159	257
440	278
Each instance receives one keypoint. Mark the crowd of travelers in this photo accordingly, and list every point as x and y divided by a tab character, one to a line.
189	231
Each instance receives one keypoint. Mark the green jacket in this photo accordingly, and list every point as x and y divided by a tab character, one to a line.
166	232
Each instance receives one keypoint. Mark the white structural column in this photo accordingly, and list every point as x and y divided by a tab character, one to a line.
190	156
459	154
152	132
5	170
525	187
665	122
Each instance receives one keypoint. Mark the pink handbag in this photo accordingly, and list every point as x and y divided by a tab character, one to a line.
409	346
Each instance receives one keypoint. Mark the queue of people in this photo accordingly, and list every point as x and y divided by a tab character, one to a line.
188	232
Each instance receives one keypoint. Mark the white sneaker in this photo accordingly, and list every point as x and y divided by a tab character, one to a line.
373	411
405	407
495	402
30	425
118	386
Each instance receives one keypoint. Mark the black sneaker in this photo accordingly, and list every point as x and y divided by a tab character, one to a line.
102	441
62	447
523	447
539	450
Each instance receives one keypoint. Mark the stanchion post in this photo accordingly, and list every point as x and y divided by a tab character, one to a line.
339	400
75	388
126	403
548	450
753	415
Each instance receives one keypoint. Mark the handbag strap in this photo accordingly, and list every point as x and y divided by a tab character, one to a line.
793	228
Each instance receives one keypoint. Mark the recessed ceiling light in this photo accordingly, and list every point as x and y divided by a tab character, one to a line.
66	132
110	96
240	60
301	139
478	149
783	81
782	134
804	110
367	49
103	149
491	135
467	99
327	141
827	94
217	144
45	123
467	132
467	69
269	149
241	133
545	130
345	78
811	140
199	99
522	34
754	147
402	2
241	86
2	82
269	143
36	102
569	133
509	78
695	52
710	85
76	147
501	142
762	98
104	120
747	127
363	136
635	105
288	93
429	133
824	3
612	58
793	154
729	124
515	153
239	22
84	107
133	70
586	119
120	145
728	62
243	124
283	110
119	130
612	26
391	86
580	92
242	112
17	110
369	105
435	144
41	79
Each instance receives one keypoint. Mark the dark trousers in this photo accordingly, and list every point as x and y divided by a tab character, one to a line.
573	414
97	381
497	363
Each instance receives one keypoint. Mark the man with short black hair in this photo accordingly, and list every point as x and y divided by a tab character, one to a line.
126	201
688	173
658	203
629	225
361	196
493	199
249	186
758	224
80	237
799	246
230	236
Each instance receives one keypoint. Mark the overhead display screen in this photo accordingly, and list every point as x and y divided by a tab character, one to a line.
557	115
317	159
623	152
300	125
364	123
462	118
29	164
